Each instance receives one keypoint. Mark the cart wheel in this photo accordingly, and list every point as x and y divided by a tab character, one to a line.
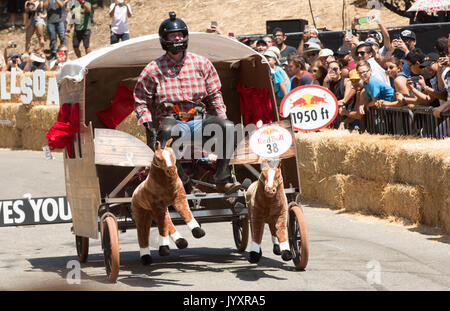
240	233
298	236
82	244
110	242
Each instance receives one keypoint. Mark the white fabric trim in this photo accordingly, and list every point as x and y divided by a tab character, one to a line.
255	247
192	224
284	246
175	236
144	251
163	240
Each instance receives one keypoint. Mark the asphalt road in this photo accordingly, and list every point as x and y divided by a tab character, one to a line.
348	252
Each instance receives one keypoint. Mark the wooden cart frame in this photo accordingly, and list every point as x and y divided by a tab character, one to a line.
98	169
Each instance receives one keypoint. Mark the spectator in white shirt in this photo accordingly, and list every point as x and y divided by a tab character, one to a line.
119	11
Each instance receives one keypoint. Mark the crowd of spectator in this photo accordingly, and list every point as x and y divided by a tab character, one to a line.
63	20
379	71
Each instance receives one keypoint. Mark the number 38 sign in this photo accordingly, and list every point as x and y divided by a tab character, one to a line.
270	141
312	107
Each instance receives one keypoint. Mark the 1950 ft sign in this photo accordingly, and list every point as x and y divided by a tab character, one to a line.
34	211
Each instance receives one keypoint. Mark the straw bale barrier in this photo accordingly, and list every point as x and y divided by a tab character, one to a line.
15	98
383	175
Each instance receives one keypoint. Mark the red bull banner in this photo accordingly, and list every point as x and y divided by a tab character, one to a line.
311	107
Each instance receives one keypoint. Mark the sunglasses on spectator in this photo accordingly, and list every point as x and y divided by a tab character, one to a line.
363	72
335	69
362	53
312	53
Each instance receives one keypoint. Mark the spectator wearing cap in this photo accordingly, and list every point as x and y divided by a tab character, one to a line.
325	56
279	38
441	46
404	93
364	51
261	46
409	38
432	94
297	70
14	60
374	88
309	32
345	57
268	39
36	61
311	53
280	78
355	113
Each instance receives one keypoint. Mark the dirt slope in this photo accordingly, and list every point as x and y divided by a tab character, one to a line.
238	16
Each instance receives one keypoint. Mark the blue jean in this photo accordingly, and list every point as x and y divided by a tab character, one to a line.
53	29
115	38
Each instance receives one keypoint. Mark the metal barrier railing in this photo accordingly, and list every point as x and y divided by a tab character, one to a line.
414	121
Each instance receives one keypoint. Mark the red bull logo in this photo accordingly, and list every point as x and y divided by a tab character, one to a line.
308	101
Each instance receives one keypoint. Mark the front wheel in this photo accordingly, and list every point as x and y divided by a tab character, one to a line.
110	244
298	236
240	232
82	244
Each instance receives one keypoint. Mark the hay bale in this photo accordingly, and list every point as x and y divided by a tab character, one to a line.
41	119
445	215
372	158
425	162
330	190
403	201
10	132
432	205
363	195
330	157
308	185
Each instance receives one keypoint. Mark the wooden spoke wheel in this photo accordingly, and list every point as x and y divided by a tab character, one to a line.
240	232
82	244
298	236
110	244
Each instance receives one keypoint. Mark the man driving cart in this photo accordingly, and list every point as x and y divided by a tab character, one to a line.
179	94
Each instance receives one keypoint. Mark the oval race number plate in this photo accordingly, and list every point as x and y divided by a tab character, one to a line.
270	141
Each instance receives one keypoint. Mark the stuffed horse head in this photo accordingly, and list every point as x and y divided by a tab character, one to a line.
165	159
271	178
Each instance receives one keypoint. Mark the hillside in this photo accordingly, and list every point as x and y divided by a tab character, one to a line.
237	16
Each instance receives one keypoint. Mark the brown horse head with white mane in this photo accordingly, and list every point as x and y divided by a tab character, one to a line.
165	159
271	178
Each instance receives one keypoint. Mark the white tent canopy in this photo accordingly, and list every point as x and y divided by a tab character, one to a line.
142	50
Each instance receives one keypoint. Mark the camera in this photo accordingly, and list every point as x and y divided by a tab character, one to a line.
415	79
31	6
11	44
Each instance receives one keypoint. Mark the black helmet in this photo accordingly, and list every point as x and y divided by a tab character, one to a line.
173	24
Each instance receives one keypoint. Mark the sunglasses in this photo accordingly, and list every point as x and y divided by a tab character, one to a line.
335	69
361	53
312	54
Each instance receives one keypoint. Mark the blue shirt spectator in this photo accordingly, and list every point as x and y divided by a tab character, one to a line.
376	88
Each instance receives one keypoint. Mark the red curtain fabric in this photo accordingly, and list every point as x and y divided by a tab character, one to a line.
121	106
255	104
61	134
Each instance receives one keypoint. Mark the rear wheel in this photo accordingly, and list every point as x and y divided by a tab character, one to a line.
82	244
110	243
240	232
298	237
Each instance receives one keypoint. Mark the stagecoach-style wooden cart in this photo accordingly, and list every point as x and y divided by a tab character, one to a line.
103	161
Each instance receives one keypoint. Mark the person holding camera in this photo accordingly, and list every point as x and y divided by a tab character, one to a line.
56	16
37	60
35	22
119	11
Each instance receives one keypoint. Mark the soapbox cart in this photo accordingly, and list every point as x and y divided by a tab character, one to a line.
103	162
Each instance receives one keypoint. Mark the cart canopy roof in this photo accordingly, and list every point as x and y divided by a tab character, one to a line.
142	50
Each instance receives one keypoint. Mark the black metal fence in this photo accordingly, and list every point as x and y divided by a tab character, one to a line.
415	121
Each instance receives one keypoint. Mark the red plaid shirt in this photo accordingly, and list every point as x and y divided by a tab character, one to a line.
189	83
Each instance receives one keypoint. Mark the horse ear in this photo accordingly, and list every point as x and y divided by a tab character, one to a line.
168	142
278	163
157	145
265	163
